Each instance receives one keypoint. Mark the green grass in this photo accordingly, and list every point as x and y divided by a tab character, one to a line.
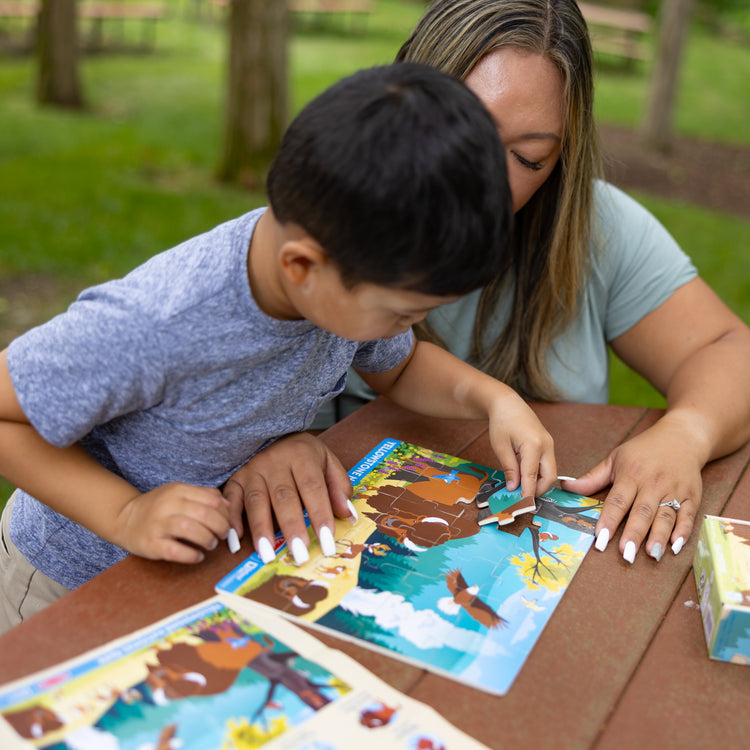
717	244
87	196
711	102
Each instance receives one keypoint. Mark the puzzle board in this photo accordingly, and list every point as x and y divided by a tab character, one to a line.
446	568
217	675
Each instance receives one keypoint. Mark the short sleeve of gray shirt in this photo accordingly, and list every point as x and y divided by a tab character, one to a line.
171	373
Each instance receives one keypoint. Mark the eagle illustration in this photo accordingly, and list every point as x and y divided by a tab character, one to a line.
465	597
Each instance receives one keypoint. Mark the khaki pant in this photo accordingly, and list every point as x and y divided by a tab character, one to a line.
24	590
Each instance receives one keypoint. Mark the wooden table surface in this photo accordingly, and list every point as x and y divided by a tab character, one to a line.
621	664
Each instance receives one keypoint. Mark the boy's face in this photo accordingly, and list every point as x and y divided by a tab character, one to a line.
310	287
364	312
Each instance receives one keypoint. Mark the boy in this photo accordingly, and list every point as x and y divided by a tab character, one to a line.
121	417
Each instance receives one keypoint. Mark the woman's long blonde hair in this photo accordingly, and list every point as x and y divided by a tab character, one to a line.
550	259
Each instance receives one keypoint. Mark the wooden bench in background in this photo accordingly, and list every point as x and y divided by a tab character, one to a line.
18	24
309	13
93	16
314	12
115	14
618	32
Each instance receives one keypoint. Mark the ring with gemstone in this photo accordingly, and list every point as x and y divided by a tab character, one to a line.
671	504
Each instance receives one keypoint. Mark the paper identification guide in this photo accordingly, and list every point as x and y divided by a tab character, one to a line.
446	568
223	676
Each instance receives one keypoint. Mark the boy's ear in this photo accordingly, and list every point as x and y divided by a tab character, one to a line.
300	258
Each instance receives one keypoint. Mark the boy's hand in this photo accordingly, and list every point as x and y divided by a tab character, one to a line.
432	381
296	473
523	445
174	522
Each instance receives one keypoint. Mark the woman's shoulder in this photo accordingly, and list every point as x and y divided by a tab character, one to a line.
624	230
615	208
636	263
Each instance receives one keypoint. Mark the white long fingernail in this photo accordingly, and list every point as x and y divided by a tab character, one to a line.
677	546
629	553
353	515
233	541
299	551
265	550
325	537
567	479
602	540
657	551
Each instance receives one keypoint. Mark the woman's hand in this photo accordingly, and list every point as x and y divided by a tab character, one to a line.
296	473
696	352
647	473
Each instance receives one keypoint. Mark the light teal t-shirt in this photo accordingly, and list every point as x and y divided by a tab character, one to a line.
636	265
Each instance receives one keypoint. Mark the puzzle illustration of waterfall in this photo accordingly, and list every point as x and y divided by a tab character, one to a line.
446	568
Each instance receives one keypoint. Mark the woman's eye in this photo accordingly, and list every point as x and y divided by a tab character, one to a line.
534	165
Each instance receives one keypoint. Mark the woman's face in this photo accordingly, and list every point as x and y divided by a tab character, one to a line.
524	93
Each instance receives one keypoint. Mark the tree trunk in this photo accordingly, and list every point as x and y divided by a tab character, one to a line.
57	49
657	130
256	110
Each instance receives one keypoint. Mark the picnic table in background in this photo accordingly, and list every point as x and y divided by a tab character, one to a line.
18	24
346	14
618	32
98	18
103	25
317	12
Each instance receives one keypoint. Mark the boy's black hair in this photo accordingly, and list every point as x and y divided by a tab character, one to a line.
398	172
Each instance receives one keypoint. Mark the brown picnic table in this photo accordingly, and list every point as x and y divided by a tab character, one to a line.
622	663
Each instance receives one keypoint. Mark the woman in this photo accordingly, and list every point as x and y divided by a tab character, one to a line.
591	268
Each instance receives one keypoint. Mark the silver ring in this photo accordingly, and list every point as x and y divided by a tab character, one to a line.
671	504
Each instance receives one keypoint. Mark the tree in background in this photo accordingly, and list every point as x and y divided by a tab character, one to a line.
57	48
673	24
257	99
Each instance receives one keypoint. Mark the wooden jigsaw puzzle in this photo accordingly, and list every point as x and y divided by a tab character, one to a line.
445	569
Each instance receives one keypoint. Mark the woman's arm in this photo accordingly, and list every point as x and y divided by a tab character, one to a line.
696	352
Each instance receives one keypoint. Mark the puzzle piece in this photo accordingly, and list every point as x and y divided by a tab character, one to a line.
491	485
431	532
442	479
402	475
414	519
560	509
464	600
413	583
504	507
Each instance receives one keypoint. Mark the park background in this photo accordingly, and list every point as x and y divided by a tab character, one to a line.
87	195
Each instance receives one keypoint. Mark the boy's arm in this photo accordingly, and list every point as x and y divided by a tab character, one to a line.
166	523
432	381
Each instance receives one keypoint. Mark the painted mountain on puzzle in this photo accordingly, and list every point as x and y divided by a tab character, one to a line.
446	568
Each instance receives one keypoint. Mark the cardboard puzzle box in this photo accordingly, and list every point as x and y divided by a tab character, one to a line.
722	577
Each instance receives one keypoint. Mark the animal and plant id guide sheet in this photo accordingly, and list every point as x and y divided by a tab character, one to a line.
217	676
445	569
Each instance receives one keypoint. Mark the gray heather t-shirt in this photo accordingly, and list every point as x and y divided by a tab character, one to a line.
171	373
